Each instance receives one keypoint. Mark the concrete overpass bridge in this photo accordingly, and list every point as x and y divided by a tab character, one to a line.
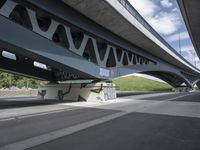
84	39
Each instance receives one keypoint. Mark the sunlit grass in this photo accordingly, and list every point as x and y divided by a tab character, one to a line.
140	84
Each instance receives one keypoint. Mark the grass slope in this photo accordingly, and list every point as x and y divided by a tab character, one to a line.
140	84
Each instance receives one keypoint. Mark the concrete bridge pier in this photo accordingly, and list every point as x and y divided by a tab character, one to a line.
99	92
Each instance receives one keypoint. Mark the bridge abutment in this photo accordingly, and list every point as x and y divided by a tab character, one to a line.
99	92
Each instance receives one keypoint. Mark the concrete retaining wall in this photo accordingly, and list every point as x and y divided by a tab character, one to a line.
18	93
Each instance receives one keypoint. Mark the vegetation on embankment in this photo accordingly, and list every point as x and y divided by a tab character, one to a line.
8	80
134	83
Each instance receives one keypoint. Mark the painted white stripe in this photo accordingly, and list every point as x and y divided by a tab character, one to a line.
174	108
170	99
37	140
36	114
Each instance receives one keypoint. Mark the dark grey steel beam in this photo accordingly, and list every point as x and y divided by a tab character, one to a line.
24	42
24	69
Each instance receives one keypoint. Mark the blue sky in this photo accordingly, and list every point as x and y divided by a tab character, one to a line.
165	17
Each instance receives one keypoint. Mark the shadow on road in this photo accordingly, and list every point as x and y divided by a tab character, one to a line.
157	97
125	94
23	102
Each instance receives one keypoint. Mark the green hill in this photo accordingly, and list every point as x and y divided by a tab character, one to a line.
134	83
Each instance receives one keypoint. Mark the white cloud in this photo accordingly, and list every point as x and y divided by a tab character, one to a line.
146	8
196	58
166	3
198	64
164	22
193	58
175	10
187	48
191	55
165	19
175	37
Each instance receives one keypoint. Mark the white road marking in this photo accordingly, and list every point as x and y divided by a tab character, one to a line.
174	108
170	99
36	114
37	140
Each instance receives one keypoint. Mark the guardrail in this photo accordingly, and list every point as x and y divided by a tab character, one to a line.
140	19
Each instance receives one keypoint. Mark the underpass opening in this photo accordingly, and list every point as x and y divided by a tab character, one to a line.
141	83
171	78
179	82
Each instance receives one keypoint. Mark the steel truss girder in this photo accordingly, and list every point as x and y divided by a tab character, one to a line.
126	57
20	40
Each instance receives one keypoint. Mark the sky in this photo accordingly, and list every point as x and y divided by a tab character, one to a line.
165	17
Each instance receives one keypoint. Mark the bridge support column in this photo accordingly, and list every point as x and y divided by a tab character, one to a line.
78	92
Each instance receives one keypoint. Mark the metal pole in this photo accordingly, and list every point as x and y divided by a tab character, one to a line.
195	60
179	43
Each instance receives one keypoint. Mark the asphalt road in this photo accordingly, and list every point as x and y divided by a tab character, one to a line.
144	122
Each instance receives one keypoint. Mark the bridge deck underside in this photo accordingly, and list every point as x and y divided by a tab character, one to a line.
191	14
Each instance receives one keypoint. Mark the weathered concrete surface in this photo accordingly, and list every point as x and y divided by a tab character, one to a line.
9	93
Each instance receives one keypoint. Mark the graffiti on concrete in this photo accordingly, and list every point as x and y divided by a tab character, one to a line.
109	92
